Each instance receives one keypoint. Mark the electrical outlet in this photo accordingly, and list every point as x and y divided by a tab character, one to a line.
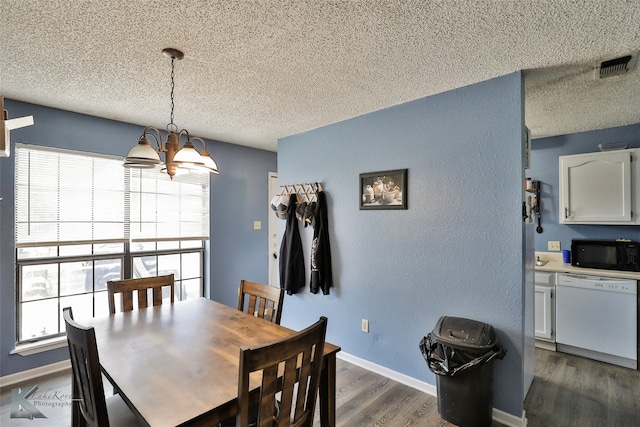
365	325
553	245
257	225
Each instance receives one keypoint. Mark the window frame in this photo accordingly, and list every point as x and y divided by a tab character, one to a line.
181	247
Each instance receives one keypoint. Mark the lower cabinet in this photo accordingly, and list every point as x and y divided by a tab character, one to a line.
544	305
544	312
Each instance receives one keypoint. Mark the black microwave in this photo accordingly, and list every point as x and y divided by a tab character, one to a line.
621	255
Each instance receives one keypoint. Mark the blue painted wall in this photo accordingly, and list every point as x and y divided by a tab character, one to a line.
458	250
545	168
239	196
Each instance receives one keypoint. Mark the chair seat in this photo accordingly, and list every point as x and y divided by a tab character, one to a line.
119	413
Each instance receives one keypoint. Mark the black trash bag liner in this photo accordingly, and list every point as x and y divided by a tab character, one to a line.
447	359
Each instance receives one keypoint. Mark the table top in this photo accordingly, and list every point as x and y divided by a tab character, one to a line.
176	362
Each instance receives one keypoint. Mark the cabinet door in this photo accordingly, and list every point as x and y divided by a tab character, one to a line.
543	312
596	188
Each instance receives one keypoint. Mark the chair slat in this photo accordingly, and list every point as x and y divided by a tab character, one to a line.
157	296
127	301
142	299
261	308
252	304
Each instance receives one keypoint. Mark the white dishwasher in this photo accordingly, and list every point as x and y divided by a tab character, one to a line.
596	317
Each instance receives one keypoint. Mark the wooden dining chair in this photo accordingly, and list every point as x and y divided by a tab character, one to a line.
127	287
89	406
290	366
263	301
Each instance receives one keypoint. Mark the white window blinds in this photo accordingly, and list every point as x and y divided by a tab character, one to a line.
71	197
165	209
68	197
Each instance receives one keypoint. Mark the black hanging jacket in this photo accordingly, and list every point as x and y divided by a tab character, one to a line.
292	273
321	274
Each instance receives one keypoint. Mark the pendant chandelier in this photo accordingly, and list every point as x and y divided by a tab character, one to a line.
177	160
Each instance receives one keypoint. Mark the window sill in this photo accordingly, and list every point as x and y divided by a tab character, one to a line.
40	346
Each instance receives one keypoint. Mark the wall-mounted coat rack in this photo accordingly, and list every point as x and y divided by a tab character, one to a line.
306	192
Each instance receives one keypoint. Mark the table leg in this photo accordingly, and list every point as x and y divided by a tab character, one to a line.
328	392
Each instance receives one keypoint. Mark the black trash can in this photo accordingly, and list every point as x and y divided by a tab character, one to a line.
461	352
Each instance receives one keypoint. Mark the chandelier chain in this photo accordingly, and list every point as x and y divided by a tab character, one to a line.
171	127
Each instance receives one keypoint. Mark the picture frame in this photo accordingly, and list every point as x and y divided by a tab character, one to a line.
383	190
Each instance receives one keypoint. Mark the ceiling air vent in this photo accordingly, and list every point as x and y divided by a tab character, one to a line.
616	67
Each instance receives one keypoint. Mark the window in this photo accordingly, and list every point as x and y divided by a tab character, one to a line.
83	219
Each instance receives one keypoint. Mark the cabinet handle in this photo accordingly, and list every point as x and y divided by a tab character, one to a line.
566	213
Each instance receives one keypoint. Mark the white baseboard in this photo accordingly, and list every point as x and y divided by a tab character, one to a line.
498	415
386	372
546	345
30	374
508	419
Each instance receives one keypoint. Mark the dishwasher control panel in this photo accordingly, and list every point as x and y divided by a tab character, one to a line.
625	286
615	287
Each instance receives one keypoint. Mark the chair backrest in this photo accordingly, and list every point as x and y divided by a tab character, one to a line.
127	287
264	301
296	359
88	393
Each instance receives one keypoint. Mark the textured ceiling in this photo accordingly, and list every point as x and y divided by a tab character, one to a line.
255	71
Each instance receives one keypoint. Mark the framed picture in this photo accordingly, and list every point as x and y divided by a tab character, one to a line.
384	189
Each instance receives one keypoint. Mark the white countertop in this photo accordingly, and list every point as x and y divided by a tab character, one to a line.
555	265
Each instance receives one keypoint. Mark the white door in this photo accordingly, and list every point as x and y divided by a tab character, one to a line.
273	248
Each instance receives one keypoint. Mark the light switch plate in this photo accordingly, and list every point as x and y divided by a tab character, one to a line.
553	245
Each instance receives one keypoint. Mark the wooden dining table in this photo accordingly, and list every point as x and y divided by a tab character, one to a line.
177	364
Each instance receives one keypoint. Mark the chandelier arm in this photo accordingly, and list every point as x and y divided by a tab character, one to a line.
184	132
196	138
157	136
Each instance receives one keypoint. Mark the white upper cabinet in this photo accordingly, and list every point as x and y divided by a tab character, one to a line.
599	188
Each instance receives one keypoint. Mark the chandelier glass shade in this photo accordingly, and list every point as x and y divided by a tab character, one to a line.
177	160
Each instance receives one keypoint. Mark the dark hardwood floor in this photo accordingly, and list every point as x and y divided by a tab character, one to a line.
574	391
567	391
